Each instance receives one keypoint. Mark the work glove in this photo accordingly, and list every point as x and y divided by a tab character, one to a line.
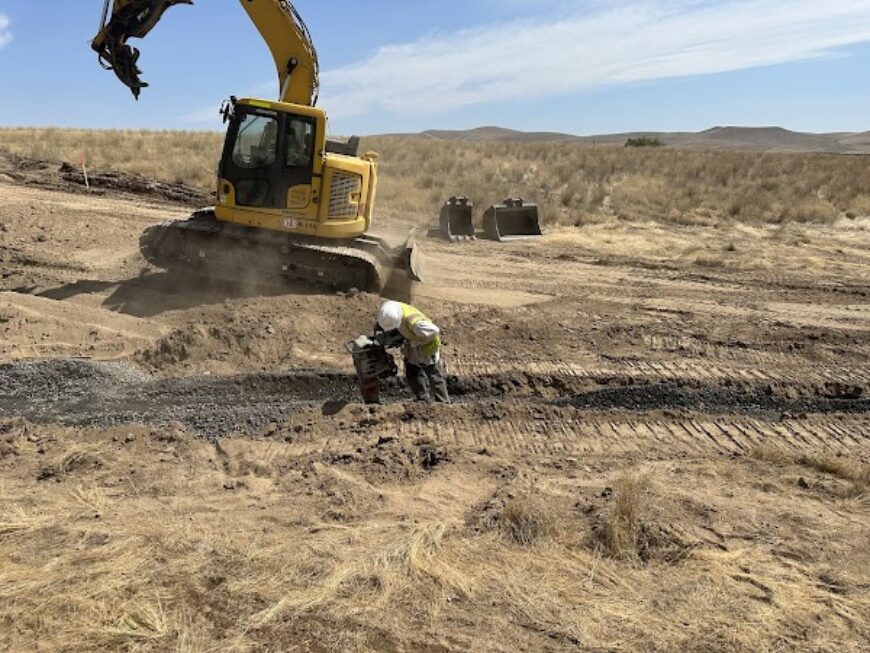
388	340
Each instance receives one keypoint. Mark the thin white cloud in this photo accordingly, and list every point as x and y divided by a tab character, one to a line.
641	40
205	115
210	115
5	34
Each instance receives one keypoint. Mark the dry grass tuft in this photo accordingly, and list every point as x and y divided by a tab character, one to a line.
525	523
771	455
856	473
74	461
523	518
140	621
619	533
848	470
636	525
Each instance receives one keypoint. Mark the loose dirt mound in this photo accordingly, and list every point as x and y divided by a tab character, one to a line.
63	329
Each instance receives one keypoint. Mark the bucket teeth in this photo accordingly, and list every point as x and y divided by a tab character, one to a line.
457	219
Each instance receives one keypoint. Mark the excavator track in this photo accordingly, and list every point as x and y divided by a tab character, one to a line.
206	246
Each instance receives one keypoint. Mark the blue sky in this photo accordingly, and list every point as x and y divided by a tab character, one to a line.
579	66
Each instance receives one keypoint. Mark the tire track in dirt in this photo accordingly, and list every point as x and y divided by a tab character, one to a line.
618	435
520	412
473	365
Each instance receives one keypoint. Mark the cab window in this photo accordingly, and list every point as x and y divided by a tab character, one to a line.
257	142
300	142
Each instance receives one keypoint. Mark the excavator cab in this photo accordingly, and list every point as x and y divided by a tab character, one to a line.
278	172
268	158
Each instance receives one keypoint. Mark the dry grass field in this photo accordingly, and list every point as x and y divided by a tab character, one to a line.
176	157
660	439
142	539
574	183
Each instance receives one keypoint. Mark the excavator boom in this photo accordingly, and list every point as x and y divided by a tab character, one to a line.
278	22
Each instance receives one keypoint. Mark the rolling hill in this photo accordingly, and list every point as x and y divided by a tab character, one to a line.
775	139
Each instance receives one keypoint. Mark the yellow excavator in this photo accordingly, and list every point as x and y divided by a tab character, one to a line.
290	201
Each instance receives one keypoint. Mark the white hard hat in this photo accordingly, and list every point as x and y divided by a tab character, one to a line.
390	316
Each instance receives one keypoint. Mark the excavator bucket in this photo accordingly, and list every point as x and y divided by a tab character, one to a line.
457	219
512	220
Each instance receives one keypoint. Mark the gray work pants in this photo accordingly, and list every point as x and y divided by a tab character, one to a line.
426	379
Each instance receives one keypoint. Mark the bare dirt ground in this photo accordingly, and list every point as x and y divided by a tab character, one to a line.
660	442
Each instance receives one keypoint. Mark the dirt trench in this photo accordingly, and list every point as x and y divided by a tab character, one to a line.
78	392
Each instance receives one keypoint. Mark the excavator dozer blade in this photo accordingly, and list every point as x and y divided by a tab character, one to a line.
512	220
415	264
457	219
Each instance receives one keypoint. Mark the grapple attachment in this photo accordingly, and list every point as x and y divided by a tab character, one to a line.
132	20
512	220
457	219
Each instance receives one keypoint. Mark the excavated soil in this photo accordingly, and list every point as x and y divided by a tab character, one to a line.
67	178
658	432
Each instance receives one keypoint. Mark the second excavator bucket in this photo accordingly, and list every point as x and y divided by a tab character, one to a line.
512	220
457	219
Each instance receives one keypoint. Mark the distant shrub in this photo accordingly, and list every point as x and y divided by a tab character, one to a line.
644	141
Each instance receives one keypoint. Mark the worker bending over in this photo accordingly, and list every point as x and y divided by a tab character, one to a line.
421	349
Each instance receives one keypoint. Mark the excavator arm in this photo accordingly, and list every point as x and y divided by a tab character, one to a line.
278	22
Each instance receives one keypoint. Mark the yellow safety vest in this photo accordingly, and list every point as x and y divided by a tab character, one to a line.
410	317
